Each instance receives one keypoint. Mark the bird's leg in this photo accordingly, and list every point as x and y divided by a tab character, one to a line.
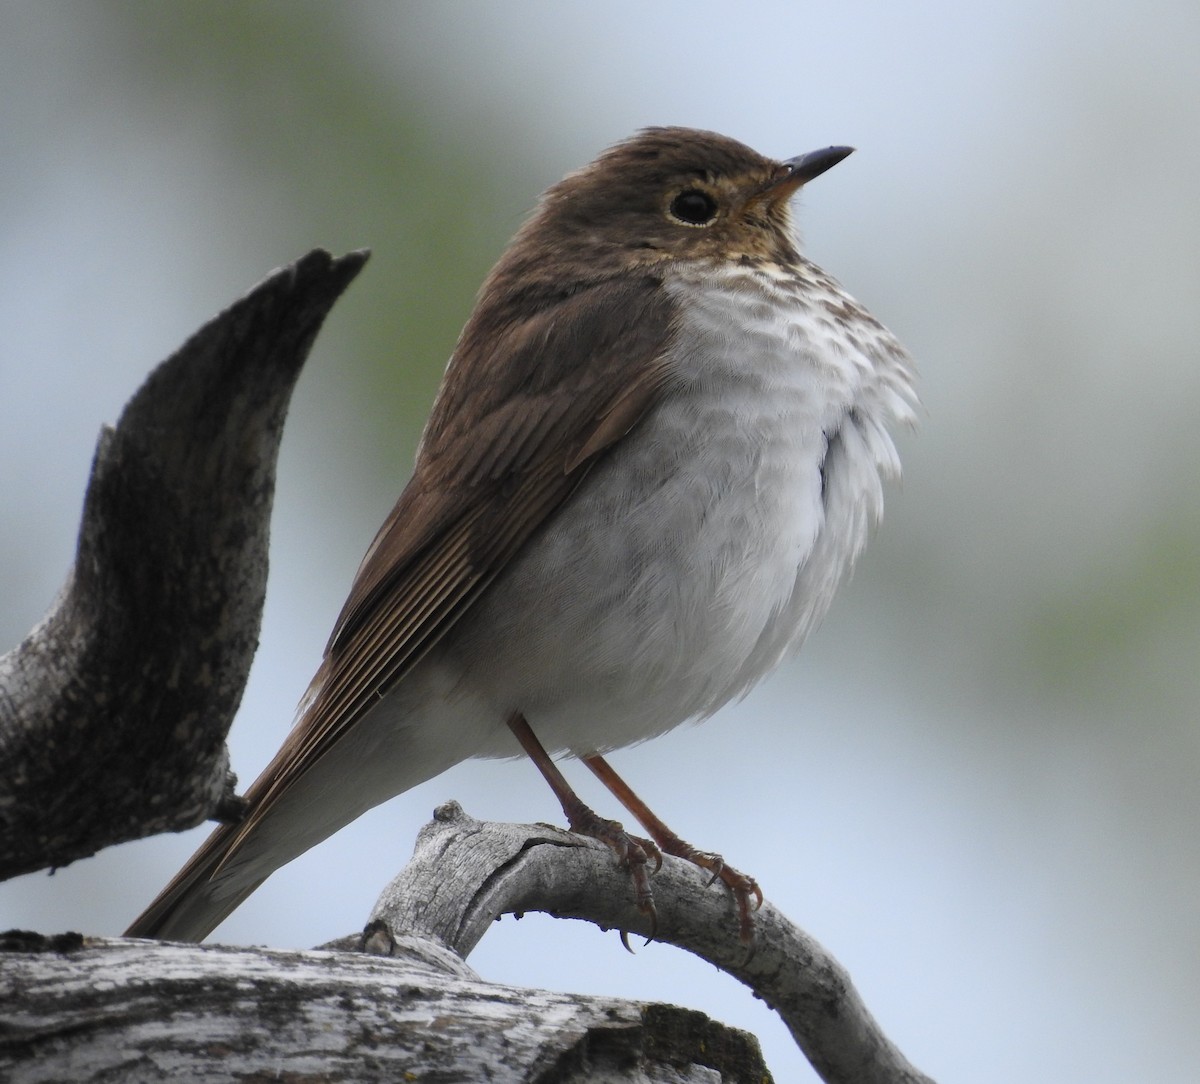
745	889
633	853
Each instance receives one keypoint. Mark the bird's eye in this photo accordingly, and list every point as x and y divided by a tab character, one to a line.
693	207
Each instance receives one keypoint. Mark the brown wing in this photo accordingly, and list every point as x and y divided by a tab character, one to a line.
526	406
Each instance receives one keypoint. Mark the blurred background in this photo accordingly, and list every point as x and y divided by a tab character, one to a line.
978	784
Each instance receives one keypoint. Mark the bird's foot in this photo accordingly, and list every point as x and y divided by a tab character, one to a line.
746	893
633	852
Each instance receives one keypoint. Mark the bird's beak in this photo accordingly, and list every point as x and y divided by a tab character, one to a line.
798	171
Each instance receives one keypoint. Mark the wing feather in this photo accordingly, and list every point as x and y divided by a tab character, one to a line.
573	376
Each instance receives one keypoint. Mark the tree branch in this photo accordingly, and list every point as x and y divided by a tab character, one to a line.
102	1010
464	874
114	710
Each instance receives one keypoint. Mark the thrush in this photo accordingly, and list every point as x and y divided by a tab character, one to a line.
657	449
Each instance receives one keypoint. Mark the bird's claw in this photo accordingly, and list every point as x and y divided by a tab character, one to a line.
746	893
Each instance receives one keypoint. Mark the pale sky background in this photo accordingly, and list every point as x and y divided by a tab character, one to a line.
978	784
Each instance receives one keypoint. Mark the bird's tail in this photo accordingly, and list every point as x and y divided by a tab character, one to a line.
298	802
199	897
289	812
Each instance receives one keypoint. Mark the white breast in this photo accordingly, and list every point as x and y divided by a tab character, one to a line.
712	538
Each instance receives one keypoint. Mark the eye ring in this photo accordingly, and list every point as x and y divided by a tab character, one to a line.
693	207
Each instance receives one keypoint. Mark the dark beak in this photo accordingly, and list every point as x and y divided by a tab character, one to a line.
803	168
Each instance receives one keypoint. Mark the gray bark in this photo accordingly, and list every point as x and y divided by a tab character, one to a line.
114	710
110	1010
91	1010
464	874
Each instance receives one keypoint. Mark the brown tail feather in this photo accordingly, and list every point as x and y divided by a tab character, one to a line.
198	899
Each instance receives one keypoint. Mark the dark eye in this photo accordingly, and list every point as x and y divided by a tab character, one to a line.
694	207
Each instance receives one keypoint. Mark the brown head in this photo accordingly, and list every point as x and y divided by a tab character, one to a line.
666	194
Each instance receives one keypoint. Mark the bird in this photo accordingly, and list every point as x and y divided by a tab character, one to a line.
658	447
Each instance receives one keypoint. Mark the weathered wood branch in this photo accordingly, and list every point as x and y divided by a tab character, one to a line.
114	710
464	874
80	1009
92	1009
